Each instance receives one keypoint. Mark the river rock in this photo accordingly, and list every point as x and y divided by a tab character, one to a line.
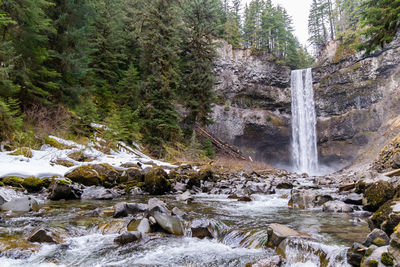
278	232
169	223
134	208
244	199
385	218
99	193
355	254
377	237
284	185
374	258
61	189
120	210
155	181
302	199
394	247
42	235
180	187
180	213
274	261
201	228
21	205
354	199
142	226
336	206
128	237
187	196
155	204
93	174
377	194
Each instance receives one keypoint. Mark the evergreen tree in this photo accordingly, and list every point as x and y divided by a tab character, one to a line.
200	21
69	42
159	39
29	39
381	19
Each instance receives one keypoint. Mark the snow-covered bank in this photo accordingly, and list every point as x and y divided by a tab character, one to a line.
42	163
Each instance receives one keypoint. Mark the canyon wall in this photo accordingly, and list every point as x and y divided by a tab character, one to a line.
357	103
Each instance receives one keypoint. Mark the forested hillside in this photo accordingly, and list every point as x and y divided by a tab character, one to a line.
130	64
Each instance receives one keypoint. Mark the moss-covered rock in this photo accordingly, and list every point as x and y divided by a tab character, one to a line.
377	194
387	259
384	218
14	181
94	174
80	156
65	163
389	157
34	184
54	143
156	181
22	151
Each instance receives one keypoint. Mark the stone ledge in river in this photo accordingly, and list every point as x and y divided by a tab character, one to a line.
128	237
279	232
42	235
336	206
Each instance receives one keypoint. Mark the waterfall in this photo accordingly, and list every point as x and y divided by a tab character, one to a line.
304	134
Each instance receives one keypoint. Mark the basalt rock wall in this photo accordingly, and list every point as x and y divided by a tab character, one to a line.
357	100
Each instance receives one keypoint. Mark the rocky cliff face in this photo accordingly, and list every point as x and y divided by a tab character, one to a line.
357	101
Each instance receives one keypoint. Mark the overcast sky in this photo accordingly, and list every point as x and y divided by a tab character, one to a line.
298	10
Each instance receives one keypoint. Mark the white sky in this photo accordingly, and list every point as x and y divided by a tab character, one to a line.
298	10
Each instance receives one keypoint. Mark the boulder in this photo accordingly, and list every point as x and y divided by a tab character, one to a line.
377	194
99	193
355	254
278	232
155	181
93	174
201	229
155	204
284	185
42	235
180	213
23	204
336	206
184	197
134	174
128	237
302	199
170	224
386	217
34	184
377	237
244	199
134	208
142	226
354	199
180	187
394	247
61	189
374	255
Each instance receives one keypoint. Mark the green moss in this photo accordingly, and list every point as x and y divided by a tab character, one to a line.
1	184
155	181
373	263
54	143
379	242
377	194
387	259
65	163
22	151
34	184
13	181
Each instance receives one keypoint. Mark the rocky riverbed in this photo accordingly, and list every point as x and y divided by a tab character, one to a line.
121	208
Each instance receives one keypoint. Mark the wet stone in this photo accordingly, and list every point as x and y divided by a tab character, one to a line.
41	235
23	204
377	237
128	237
170	224
201	229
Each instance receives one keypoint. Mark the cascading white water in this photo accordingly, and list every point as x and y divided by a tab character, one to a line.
304	134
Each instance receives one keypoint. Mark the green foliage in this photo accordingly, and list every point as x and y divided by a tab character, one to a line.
380	19
208	148
122	125
10	118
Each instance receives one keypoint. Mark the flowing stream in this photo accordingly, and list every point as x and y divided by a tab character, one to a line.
240	234
304	134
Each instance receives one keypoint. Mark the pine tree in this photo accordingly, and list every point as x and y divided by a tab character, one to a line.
200	22
381	19
29	37
159	39
69	42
